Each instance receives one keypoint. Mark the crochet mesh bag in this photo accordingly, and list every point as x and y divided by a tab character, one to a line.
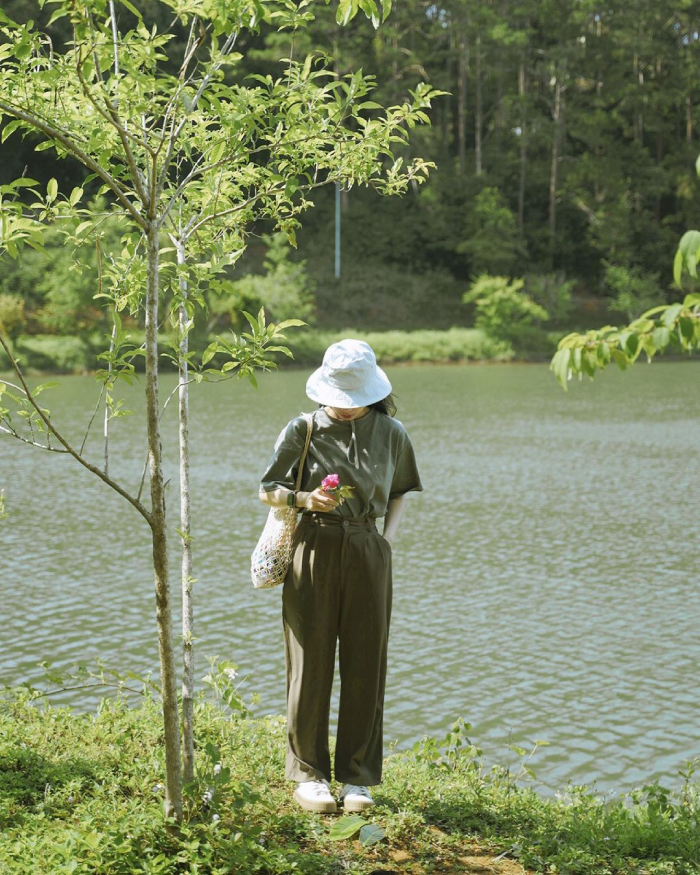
273	553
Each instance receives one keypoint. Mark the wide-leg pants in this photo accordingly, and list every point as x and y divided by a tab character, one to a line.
338	588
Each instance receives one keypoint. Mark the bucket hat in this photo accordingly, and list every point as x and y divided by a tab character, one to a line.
349	376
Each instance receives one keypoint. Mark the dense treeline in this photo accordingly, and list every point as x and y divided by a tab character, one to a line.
565	152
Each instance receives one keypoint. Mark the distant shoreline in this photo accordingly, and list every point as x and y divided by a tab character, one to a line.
44	355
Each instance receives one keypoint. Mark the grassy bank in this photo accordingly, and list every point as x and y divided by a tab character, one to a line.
67	354
83	794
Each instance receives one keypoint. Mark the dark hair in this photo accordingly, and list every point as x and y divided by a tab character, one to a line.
386	405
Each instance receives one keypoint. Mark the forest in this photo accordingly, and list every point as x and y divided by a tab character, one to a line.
564	148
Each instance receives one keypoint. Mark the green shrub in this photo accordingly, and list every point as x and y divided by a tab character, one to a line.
634	289
11	314
553	292
503	310
49	352
393	347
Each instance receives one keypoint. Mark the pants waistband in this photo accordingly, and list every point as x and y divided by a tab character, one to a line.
322	518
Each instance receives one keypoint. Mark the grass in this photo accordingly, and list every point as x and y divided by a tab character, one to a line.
48	353
82	793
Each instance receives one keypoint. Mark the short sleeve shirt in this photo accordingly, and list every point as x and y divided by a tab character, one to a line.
373	454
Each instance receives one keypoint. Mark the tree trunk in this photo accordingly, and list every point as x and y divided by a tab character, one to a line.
522	92
447	122
462	62
557	115
173	774
479	110
186	535
638	116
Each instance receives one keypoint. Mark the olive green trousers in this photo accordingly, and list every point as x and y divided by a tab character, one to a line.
338	588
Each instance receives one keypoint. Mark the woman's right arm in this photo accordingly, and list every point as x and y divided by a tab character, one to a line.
281	474
316	500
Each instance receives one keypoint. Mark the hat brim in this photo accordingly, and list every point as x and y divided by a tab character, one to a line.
374	390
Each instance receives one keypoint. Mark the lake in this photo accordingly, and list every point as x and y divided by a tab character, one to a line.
545	582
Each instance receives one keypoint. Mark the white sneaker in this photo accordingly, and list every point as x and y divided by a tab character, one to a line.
315	796
355	797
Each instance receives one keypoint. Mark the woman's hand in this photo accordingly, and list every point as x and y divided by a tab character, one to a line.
317	500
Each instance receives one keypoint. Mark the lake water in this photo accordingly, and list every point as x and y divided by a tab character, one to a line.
546	580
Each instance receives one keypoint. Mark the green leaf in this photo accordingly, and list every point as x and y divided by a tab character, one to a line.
346	827
661	337
283	349
75	196
697	165
648	345
619	358
691	300
370	834
690	243
306	69
131	8
687	327
51	190
347	9
560	366
8	129
251	319
210	352
289	323
671	314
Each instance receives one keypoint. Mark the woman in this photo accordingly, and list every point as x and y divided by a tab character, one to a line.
338	586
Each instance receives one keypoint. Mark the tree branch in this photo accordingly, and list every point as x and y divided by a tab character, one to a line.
25	440
175	131
111	117
68	143
47	422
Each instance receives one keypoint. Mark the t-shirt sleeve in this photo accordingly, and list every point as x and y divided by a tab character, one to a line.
283	467
406	477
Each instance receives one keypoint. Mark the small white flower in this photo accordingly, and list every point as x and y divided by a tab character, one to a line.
217	768
231	674
215	817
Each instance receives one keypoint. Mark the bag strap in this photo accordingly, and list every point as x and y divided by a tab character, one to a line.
309	427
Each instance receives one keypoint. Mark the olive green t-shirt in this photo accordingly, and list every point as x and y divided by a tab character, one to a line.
373	454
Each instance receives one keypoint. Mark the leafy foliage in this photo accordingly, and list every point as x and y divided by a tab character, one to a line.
284	290
635	290
666	326
502	308
81	793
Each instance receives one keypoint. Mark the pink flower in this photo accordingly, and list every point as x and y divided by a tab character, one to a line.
332	481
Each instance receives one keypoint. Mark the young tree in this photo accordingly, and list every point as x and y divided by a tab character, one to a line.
182	146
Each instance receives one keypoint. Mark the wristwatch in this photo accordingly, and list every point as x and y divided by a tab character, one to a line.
291	499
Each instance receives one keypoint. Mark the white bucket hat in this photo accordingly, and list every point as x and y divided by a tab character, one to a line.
349	376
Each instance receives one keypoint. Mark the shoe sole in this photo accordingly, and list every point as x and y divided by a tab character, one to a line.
319	807
360	805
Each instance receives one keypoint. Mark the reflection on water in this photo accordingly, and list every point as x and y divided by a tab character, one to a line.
545	581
